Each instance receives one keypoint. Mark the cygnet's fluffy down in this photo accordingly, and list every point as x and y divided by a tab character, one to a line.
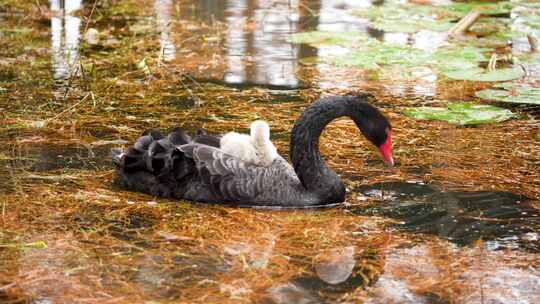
255	148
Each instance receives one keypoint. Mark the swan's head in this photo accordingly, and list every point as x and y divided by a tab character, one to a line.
376	128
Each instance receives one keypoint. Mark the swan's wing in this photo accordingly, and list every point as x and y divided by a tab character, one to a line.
234	179
227	176
204	138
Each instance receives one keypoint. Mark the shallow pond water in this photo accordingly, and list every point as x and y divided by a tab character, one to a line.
456	221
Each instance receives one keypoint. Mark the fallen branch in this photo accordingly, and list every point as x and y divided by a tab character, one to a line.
464	24
533	42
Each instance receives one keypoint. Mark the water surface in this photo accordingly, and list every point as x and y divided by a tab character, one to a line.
457	220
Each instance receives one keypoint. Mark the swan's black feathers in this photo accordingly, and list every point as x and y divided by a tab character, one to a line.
194	168
209	140
200	172
178	137
228	177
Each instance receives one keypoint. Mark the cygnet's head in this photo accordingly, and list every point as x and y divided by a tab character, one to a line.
260	131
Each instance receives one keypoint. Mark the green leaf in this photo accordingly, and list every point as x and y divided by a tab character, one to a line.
36	245
411	25
487	8
375	54
511	93
457	58
317	38
462	113
479	74
404	18
141	65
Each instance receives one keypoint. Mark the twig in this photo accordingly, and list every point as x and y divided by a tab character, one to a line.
480	270
60	177
464	24
8	286
492	65
71	107
90	16
3	212
533	43
39	7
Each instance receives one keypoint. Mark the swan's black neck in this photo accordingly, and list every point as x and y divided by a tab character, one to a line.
308	163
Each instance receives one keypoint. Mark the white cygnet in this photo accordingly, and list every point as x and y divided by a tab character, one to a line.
255	148
260	135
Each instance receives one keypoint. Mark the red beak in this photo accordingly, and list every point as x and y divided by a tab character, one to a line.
386	150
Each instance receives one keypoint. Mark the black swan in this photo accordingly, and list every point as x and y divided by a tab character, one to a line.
196	169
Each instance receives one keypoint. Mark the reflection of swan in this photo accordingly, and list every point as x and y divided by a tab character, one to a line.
255	148
181	167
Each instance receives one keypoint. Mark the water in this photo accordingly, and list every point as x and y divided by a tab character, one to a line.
457	220
504	220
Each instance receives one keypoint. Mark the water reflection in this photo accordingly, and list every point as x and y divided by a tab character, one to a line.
163	15
336	265
504	220
65	36
272	60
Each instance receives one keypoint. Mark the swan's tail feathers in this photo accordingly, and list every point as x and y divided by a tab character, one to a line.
154	164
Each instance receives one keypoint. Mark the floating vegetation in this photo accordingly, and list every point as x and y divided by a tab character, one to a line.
454	62
26	246
513	93
410	18
462	113
317	38
377	54
479	74
461	9
404	18
452	58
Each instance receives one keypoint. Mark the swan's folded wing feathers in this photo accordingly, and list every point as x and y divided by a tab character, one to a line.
178	137
227	176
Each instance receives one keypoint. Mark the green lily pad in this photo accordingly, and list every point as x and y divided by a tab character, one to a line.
487	8
458	58
411	25
378	54
512	93
316	38
416	16
479	74
462	113
404	18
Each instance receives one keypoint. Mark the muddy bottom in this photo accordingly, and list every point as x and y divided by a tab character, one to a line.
504	220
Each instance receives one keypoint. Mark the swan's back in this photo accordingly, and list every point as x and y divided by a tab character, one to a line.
179	166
